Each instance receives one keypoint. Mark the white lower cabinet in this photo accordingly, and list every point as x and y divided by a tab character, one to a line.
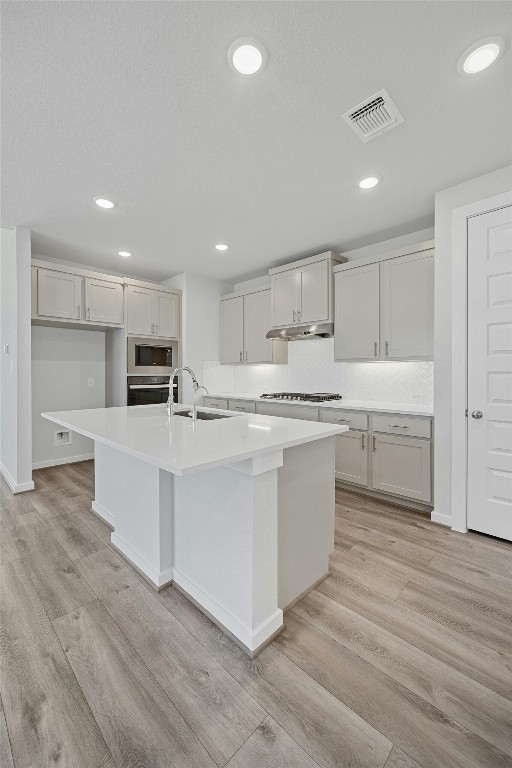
401	466
351	463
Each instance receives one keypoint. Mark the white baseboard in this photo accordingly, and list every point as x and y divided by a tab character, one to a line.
157	578
437	517
103	513
251	640
13	485
58	462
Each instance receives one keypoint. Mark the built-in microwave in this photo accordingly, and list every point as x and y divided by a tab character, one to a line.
151	358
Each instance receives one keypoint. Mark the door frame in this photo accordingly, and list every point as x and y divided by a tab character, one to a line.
459	302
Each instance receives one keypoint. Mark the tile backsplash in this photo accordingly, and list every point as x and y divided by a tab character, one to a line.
311	368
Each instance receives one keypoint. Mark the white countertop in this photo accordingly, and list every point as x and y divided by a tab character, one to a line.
182	447
351	405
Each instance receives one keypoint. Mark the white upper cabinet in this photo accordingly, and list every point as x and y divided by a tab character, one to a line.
151	312
257	313
385	310
166	314
302	291
285	298
59	295
244	323
407	306
315	289
139	311
103	301
232	330
356	313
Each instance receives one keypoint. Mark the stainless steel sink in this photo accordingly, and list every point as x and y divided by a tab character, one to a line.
203	416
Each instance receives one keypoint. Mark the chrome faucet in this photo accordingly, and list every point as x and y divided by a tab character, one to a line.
195	385
196	390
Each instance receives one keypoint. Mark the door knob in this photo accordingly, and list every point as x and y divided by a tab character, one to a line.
477	414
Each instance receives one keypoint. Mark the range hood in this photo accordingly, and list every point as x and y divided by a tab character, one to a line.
299	332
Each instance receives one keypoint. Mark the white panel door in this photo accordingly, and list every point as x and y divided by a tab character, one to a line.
232	330
356	313
401	466
166	315
315	286
257	321
285	287
352	458
407	307
103	301
490	373
139	311
59	295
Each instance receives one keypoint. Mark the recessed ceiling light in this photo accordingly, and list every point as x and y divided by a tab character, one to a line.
246	56
222	247
481	55
125	253
104	202
368	182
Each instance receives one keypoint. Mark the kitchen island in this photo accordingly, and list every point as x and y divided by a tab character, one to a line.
236	509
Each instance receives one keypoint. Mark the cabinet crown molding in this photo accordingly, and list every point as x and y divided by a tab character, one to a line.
335	258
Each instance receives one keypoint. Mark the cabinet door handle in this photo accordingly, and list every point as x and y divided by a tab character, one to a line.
387	348
362	443
152	328
246	354
294	313
299	314
397	426
240	356
88	313
374	443
343	421
156	330
375	349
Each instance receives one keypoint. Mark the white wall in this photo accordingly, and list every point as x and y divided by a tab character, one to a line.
15	381
446	202
62	362
200	323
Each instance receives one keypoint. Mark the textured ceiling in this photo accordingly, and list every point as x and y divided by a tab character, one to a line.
135	100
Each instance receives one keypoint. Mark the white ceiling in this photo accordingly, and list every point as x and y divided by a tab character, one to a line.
136	101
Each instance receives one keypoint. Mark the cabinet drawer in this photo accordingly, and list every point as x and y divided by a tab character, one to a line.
401	425
242	405
216	402
288	411
353	419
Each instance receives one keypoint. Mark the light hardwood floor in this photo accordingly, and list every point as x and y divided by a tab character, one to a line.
401	658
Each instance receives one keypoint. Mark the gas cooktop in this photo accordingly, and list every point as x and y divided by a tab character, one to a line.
314	397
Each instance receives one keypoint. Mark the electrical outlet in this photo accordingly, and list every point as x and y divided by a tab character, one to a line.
90	382
62	437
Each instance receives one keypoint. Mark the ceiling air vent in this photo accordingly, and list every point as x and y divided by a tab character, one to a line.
373	116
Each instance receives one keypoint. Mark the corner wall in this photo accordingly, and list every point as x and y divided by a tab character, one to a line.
200	323
447	201
15	363
63	360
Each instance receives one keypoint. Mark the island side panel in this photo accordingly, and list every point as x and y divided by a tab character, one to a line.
225	528
136	498
306	517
